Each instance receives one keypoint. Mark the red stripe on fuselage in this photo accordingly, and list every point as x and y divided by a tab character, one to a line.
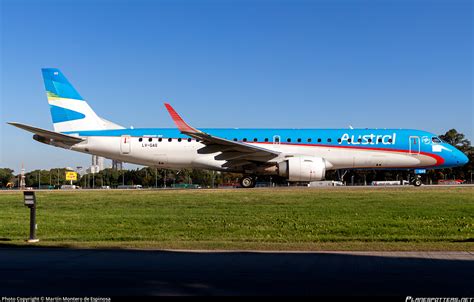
439	159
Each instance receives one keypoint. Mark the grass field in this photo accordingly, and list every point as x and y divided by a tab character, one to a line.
282	219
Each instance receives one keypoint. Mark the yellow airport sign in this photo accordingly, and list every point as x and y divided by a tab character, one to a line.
71	176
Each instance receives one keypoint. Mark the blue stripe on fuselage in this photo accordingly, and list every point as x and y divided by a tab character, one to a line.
399	137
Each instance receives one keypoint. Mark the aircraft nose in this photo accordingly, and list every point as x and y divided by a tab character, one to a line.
461	158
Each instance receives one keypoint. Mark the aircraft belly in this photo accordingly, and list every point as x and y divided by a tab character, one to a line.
346	158
371	159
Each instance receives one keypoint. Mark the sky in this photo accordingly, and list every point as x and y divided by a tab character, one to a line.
246	64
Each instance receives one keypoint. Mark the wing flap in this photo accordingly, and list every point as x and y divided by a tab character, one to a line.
257	156
236	163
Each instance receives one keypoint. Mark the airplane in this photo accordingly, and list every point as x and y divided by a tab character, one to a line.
296	155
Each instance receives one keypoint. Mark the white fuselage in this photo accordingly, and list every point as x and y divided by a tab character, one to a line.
178	154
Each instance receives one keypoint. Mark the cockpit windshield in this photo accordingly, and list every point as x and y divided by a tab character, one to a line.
436	140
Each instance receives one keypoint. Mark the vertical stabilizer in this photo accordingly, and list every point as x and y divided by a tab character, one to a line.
69	111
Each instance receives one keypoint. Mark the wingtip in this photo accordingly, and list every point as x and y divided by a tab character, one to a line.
179	122
169	107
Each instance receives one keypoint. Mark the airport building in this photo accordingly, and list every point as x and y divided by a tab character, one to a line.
97	164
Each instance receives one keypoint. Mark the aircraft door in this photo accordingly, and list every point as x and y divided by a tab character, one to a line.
414	145
125	144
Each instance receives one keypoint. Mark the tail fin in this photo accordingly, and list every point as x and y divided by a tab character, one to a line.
69	111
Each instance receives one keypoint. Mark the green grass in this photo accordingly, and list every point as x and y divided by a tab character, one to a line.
282	219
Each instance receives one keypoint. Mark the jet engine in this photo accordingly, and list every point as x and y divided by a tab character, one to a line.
303	168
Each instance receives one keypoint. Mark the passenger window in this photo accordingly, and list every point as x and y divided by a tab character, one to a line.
349	140
266	139
309	140
197	141
160	139
150	139
288	140
235	139
390	140
244	139
380	140
319	140
329	140
170	139
179	139
140	139
255	140
338	140
299	140
369	140
189	139
359	140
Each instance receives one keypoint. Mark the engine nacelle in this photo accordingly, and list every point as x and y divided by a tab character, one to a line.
303	168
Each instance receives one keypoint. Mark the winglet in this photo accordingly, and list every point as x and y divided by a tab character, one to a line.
180	123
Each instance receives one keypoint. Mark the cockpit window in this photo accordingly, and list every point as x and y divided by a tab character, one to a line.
435	140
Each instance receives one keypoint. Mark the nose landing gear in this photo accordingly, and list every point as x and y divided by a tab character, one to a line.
416	180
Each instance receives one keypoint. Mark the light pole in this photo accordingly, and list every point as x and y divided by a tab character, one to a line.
164	178
174	179
79	168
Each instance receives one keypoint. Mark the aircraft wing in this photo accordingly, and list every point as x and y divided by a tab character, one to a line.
236	154
50	135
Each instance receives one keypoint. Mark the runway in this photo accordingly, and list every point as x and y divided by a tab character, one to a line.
90	272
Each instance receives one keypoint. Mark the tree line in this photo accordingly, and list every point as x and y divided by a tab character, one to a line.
153	177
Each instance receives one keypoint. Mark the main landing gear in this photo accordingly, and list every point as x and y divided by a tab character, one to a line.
247	182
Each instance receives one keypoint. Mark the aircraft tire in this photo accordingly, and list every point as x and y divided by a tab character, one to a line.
247	182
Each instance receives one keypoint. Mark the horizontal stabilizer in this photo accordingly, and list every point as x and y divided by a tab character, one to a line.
58	137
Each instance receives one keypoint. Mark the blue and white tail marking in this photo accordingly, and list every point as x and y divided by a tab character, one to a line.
69	111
